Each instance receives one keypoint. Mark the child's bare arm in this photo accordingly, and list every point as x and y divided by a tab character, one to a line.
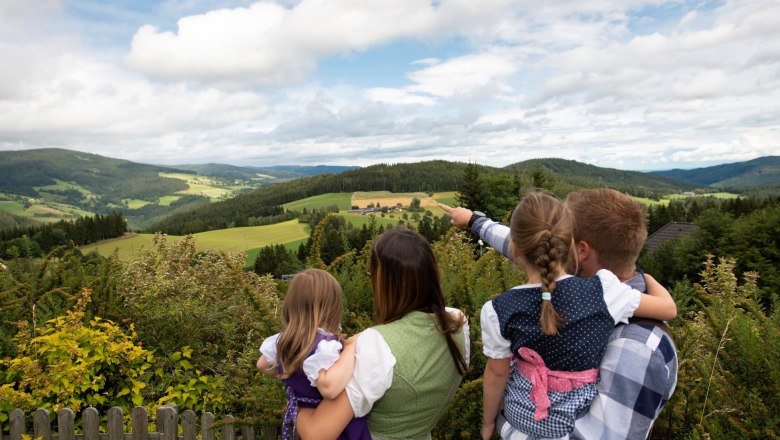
331	382
266	367
658	303
494	382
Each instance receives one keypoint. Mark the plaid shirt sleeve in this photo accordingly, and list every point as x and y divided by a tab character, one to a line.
495	234
638	375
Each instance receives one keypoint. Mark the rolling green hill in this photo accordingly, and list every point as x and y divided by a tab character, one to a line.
426	177
581	175
753	173
55	170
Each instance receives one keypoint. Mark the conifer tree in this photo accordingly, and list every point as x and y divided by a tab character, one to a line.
472	190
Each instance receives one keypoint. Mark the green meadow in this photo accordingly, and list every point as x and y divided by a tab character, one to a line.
228	240
202	186
342	200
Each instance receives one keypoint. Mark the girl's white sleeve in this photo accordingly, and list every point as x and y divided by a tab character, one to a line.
494	345
325	355
621	299
459	315
373	373
268	349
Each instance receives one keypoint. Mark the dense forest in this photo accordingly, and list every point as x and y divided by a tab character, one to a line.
40	239
113	179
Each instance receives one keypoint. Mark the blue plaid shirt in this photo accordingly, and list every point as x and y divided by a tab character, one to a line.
638	372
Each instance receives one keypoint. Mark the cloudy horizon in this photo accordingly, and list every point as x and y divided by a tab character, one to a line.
628	84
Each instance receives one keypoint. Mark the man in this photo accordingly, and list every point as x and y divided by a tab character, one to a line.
638	372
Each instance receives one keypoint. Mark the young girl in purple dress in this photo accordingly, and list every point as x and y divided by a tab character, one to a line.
305	355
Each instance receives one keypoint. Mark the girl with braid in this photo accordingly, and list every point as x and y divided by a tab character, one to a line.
544	340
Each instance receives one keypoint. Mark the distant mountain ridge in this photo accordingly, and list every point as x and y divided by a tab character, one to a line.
578	174
278	172
428	176
760	171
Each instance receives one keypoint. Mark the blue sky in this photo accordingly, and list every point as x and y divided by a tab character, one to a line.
628	84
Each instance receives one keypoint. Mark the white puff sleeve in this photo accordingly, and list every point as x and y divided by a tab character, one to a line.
494	345
621	299
373	373
325	355
268	349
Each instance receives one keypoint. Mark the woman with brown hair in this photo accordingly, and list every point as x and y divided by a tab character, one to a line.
408	367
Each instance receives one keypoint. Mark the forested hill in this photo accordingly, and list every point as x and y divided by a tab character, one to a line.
430	176
22	171
756	172
580	175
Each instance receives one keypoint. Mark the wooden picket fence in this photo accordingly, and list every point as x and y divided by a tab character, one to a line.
167	426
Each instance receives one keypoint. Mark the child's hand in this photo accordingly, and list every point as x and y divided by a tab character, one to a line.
351	340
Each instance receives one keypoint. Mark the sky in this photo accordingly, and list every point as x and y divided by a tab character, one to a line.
628	84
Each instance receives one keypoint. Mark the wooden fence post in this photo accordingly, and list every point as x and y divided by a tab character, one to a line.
41	424
90	419
140	423
65	424
227	428
207	426
167	423
16	423
248	432
116	424
270	432
188	429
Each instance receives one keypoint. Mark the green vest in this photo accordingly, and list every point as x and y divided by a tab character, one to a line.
424	379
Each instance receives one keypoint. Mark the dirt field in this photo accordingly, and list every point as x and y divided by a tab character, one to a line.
386	198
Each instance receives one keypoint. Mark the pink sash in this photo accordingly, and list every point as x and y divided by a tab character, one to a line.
532	367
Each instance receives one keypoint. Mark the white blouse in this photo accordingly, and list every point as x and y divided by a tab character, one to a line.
325	355
621	302
374	362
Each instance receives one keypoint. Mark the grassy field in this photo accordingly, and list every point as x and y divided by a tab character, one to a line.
167	200
229	240
135	203
201	186
12	206
63	186
665	200
342	200
48	212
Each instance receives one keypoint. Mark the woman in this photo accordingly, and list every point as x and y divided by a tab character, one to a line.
413	360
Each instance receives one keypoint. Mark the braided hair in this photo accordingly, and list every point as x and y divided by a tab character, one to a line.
541	230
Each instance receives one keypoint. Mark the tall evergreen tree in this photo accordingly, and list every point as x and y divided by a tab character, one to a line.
472	190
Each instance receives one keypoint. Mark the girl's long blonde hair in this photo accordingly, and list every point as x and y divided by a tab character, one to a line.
313	299
542	232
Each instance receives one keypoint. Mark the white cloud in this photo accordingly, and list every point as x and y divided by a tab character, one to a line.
635	84
267	44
